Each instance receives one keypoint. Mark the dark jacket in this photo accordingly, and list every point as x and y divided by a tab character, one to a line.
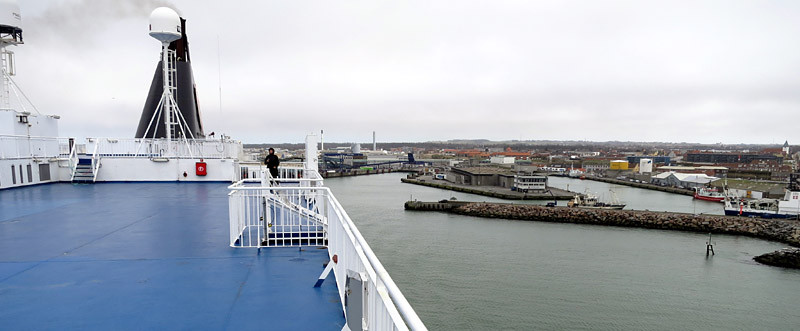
272	161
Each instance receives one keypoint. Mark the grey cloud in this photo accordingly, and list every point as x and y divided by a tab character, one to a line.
430	70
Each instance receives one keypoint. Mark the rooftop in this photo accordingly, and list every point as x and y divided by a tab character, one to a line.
148	256
486	170
744	184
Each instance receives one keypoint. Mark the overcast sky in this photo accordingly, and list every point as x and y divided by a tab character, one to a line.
696	71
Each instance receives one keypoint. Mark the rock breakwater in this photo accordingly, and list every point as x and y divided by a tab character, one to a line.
786	231
787	258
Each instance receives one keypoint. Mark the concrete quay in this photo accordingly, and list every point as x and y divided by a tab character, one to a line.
355	172
491	191
785	231
640	185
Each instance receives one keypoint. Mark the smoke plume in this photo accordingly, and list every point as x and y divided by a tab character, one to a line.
71	19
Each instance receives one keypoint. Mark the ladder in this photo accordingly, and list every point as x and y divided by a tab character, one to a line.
170	108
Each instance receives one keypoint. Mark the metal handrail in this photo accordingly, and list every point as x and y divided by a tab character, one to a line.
73	161
403	306
23	146
180	148
408	314
95	162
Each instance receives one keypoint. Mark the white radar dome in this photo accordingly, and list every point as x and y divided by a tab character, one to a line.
165	25
9	14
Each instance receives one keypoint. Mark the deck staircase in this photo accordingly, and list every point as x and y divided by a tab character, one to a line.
83	172
293	224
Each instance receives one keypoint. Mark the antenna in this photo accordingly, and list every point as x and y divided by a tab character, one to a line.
219	76
165	26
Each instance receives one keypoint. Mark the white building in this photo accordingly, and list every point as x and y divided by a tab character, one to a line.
682	180
502	160
527	183
645	166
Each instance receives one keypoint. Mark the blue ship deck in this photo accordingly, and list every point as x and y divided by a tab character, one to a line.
148	256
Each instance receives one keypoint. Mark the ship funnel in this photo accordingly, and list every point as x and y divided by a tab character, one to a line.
169	28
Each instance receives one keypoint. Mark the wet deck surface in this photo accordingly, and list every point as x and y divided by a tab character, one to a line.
148	256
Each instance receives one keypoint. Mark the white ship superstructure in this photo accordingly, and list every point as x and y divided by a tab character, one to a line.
31	151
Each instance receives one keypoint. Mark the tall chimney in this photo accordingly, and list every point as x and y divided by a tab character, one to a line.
186	95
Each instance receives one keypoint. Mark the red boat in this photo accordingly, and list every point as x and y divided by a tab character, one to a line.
708	194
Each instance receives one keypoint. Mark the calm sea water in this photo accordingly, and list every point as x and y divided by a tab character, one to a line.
468	273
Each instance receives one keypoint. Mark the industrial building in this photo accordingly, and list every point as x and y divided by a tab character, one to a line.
751	189
714	171
618	165
677	179
502	159
730	158
487	176
656	159
496	176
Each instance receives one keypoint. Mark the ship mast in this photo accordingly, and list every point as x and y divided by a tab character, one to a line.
165	26
10	35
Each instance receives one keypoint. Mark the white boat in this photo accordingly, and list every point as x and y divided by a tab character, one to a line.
590	201
787	207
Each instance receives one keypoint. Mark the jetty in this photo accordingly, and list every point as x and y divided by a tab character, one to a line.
356	172
787	258
780	230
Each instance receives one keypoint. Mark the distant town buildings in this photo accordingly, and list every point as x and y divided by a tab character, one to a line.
520	167
730	157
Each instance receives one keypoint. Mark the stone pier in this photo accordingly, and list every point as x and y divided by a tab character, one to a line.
785	231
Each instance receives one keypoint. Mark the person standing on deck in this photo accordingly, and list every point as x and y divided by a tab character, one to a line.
272	163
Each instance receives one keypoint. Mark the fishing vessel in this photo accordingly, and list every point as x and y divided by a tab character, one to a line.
591	201
131	232
708	194
787	207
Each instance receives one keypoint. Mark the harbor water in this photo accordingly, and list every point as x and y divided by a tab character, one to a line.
469	273
637	198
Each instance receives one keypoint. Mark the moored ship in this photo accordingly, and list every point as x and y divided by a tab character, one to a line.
708	194
591	201
787	207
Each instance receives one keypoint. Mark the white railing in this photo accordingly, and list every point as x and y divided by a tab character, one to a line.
19	147
287	172
252	208
96	162
164	148
73	161
276	216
